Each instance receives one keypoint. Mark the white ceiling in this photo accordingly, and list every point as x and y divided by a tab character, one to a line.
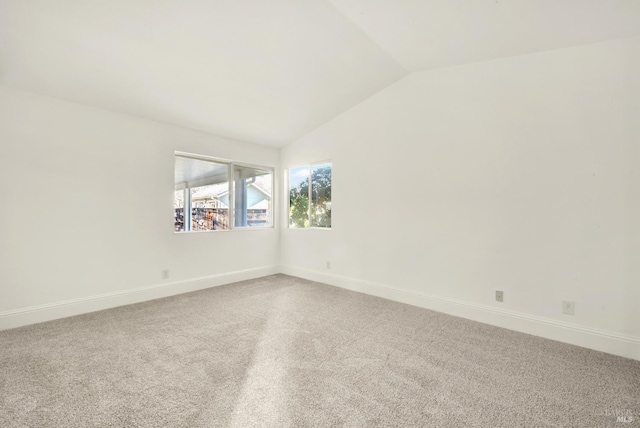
427	34
265	71
269	71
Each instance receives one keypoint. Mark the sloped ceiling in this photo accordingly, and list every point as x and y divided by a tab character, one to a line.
269	71
264	71
428	34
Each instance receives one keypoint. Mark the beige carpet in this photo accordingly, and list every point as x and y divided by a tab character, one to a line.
284	352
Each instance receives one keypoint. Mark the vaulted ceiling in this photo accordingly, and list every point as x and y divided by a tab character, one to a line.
269	71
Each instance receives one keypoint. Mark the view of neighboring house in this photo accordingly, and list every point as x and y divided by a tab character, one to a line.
210	206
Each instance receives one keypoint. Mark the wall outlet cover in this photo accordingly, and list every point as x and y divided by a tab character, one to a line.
568	307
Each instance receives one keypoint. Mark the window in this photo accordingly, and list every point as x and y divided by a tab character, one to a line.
310	196
220	195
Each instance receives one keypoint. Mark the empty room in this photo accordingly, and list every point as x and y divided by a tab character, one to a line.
319	213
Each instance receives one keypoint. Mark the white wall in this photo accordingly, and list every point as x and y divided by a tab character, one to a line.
519	174
87	211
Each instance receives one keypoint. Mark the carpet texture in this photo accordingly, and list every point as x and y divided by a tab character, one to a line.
285	352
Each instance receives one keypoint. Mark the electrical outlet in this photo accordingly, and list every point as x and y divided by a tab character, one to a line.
165	274
568	307
499	296
328	264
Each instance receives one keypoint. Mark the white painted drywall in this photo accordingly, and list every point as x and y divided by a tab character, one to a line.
519	174
87	204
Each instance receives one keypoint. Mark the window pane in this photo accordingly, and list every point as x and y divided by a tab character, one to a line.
252	197
299	197
202	186
210	207
321	195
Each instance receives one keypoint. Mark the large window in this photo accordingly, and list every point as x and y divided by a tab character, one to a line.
216	195
310	196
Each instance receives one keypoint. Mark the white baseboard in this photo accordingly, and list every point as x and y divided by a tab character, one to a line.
587	337
67	308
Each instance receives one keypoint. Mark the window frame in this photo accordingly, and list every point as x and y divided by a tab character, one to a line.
230	174
287	180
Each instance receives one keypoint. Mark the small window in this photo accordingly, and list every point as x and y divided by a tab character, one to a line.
203	199
310	196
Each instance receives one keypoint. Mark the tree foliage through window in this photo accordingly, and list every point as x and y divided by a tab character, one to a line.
317	212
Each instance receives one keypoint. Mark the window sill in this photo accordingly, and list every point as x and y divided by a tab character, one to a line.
238	229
